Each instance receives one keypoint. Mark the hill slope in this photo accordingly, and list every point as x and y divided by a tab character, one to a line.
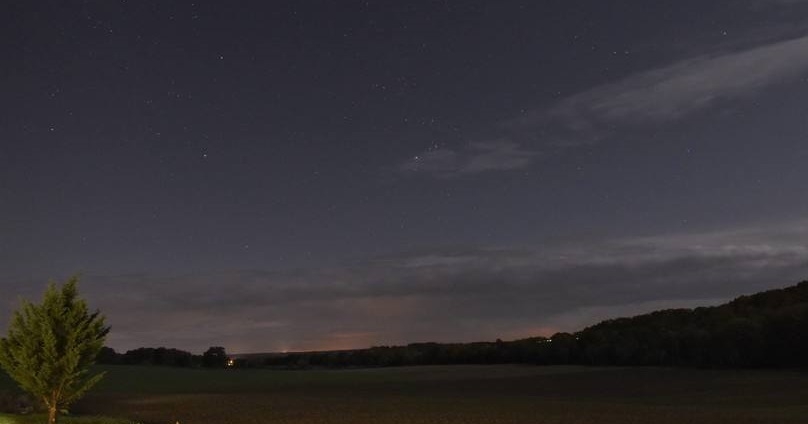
767	329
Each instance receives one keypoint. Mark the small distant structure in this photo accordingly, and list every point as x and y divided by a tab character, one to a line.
230	363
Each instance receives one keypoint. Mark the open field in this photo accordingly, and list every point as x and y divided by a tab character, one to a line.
43	418
451	394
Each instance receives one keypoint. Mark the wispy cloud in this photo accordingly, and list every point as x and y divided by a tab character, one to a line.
780	1
657	96
667	93
475	158
459	294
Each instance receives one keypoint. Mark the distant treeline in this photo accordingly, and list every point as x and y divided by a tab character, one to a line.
768	329
214	357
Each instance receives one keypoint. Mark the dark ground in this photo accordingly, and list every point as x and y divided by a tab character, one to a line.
452	394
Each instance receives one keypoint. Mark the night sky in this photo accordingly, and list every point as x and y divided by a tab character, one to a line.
296	175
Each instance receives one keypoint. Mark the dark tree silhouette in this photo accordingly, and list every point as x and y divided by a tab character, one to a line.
214	357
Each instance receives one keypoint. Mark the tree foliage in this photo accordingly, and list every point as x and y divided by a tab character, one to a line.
768	329
214	357
50	347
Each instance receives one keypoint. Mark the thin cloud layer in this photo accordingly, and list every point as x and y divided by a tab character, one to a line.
786	2
479	157
668	93
445	295
658	96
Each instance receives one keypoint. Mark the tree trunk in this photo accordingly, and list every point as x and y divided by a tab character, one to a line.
52	411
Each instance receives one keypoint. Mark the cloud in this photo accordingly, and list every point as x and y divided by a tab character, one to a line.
458	294
780	1
667	93
657	96
475	158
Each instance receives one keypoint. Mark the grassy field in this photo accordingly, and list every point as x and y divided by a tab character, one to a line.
449	394
43	418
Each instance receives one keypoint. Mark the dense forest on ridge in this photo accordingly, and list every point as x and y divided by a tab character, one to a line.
767	329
